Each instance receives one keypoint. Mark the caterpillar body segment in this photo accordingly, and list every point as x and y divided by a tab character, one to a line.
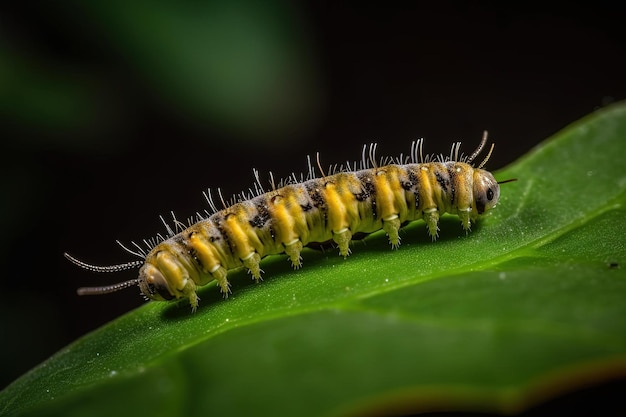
330	208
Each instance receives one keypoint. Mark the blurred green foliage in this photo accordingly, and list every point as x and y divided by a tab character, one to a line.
241	66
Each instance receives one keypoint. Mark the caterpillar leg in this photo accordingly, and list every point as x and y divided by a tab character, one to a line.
464	215
189	291
343	238
431	216
391	225
252	262
293	249
220	276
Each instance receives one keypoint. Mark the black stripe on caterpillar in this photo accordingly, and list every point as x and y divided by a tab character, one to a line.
296	213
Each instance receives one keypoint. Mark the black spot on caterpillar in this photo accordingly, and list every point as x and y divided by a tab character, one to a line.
351	201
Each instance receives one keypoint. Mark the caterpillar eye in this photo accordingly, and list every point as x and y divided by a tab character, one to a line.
153	284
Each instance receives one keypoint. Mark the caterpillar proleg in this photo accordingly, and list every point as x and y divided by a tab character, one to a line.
352	199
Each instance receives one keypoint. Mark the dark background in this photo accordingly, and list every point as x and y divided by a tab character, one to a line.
114	114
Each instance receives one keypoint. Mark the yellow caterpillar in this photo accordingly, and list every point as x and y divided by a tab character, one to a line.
289	217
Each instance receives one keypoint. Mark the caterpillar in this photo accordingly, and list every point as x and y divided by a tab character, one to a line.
351	200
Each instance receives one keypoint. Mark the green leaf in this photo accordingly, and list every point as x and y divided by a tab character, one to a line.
527	306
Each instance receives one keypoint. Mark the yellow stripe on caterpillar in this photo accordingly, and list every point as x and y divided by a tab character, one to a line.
332	208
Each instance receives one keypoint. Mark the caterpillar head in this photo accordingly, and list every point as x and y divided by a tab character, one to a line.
163	282
486	191
163	277
153	283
